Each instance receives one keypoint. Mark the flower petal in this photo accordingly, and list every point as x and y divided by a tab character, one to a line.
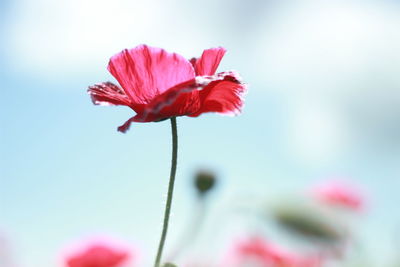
270	254
208	63
108	94
125	127
145	72
220	93
222	96
340	194
98	254
179	100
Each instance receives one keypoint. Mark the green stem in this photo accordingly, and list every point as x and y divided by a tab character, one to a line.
170	190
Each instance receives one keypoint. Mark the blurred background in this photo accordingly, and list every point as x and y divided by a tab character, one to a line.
323	103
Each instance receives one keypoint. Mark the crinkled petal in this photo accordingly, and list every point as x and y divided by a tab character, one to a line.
220	93
108	94
145	72
208	63
179	100
222	96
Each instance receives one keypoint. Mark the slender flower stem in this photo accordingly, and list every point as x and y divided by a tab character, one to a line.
170	190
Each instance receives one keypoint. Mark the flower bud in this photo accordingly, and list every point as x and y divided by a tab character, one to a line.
168	264
308	221
204	181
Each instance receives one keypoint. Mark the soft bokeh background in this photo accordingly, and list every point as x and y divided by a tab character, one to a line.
323	102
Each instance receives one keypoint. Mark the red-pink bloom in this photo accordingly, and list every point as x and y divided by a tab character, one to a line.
98	254
340	194
265	254
158	85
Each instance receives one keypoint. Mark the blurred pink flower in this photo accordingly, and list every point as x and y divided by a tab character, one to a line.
267	254
98	254
340	194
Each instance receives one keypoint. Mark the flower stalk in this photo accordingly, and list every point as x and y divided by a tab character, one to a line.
170	191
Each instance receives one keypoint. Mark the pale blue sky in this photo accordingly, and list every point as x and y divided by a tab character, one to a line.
323	101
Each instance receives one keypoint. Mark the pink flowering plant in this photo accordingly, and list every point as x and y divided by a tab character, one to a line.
158	85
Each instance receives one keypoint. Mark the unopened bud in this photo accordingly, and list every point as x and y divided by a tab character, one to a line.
309	222
204	181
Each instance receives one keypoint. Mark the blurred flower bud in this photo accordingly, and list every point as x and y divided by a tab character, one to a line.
309	222
168	264
204	181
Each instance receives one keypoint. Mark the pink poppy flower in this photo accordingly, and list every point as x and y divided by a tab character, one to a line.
97	254
158	85
339	194
265	254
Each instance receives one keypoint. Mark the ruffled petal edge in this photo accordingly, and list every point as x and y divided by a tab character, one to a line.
108	94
